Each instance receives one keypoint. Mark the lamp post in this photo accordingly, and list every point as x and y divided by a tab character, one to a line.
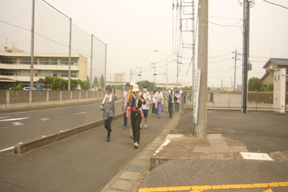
166	66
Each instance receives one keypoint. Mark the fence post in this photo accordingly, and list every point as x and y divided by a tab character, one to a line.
47	95
60	95
7	97
256	100
229	101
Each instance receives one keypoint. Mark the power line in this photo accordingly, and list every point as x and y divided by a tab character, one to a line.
276	4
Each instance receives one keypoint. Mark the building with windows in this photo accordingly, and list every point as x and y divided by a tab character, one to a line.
271	65
15	66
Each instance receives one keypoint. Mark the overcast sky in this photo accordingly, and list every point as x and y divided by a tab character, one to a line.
133	29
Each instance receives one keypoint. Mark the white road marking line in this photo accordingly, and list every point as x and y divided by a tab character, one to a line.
7	149
162	146
15	119
17	124
80	113
44	119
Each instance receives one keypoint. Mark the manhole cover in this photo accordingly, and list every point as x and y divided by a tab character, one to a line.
256	156
136	168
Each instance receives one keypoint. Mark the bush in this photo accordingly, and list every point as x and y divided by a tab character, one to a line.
16	88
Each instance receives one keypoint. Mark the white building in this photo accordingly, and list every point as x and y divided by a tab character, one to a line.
15	65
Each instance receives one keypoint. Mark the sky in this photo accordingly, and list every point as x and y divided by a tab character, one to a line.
133	29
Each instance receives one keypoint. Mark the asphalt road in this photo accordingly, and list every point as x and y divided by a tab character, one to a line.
27	126
85	162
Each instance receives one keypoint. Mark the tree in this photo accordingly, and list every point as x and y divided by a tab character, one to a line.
57	84
255	84
150	86
102	81
95	80
85	85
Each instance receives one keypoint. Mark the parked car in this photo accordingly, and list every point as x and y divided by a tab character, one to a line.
28	89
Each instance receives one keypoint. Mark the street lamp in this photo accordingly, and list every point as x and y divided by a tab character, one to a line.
166	66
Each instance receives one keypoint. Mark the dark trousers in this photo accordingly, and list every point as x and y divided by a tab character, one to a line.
176	107
135	122
108	126
153	108
170	108
125	119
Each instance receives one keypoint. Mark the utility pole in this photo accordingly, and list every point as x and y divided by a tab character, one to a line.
235	67
32	47
201	126
154	74
69	70
246	28
91	67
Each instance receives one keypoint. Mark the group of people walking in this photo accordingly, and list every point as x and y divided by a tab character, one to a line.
135	107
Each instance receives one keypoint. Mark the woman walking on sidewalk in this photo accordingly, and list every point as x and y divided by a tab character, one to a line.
177	102
136	114
108	108
159	102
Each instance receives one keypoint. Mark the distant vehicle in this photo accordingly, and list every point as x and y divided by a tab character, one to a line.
28	89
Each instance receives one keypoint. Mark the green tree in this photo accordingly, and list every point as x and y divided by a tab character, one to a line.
102	81
85	85
57	84
95	80
150	86
255	84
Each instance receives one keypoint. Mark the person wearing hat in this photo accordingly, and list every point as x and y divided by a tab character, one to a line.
146	95
136	113
171	101
108	108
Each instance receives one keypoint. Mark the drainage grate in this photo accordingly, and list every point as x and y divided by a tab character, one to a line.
256	156
136	168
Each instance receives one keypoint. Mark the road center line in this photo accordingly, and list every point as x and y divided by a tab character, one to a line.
80	113
15	119
7	149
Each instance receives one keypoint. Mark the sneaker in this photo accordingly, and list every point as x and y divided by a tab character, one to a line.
145	126
158	117
124	127
140	126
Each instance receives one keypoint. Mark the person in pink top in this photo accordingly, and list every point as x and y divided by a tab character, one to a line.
177	95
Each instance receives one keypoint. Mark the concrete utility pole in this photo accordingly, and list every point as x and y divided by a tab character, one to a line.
32	47
154	74
235	66
70	47
201	127
246	26
91	67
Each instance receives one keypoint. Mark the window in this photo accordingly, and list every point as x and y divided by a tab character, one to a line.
74	74
9	72
54	61
44	61
8	61
25	73
66	62
55	73
28	61
64	73
46	73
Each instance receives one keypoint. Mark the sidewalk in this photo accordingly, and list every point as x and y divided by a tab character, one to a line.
215	163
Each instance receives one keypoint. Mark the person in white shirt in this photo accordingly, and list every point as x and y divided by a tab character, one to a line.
124	105
159	102
146	95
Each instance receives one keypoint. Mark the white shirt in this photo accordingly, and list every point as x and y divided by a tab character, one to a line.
125	95
159	96
146	96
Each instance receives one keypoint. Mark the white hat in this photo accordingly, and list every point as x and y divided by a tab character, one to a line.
132	83
135	88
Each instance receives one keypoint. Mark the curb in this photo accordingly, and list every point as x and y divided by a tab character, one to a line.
22	148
